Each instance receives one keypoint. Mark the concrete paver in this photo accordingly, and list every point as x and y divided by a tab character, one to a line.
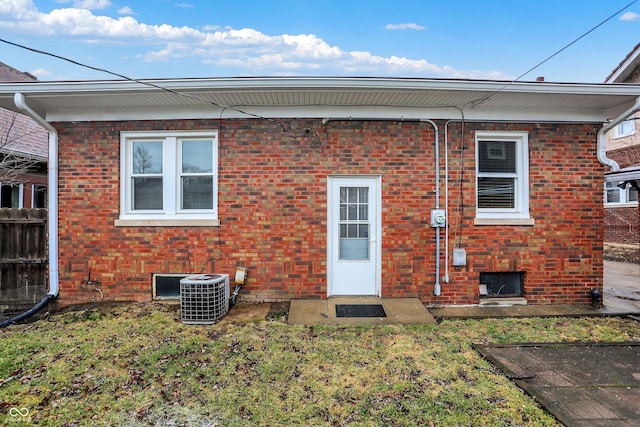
581	384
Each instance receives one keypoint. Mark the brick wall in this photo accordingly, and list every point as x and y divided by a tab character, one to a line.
626	156
273	208
562	254
621	225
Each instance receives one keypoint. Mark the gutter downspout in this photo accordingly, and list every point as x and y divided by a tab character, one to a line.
602	137
54	285
436	286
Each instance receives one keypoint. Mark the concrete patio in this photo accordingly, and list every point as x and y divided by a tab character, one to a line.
581	384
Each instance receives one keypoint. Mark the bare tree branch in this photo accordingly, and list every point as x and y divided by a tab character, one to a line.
14	162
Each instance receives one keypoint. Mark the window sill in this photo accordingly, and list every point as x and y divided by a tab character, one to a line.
504	221
627	135
620	205
129	222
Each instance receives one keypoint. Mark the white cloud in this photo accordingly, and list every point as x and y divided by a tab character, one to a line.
88	4
18	9
126	11
246	49
215	28
92	4
41	72
630	16
82	22
407	26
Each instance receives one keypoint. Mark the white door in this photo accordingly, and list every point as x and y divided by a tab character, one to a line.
354	235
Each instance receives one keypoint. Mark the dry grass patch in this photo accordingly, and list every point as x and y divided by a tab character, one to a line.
138	365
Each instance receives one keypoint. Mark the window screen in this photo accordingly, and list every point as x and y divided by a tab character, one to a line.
167	285
147	179
497	174
197	174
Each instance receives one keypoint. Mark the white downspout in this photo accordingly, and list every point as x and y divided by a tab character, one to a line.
602	136
436	286
54	286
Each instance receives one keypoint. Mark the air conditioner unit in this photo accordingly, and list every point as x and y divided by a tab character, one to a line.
204	298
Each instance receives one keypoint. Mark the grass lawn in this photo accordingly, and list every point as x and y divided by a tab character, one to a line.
138	365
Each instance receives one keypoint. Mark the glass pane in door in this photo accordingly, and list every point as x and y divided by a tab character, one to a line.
354	223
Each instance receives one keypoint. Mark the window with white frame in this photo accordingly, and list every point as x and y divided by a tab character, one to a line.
502	175
626	128
169	176
616	193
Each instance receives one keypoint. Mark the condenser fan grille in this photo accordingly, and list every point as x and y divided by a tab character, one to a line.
204	299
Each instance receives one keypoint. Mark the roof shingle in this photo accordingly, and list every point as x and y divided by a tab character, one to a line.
18	133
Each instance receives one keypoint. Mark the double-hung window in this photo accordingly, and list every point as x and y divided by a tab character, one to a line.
169	178
502	178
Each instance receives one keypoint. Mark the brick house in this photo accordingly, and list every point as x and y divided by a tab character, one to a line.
452	191
23	144
622	218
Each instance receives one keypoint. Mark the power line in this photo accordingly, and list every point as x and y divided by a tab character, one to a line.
104	70
553	55
573	42
150	84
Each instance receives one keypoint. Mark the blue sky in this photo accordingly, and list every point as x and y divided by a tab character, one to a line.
483	39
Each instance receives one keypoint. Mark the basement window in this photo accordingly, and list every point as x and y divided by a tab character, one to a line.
503	284
167	286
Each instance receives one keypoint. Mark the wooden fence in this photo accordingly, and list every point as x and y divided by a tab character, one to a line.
23	255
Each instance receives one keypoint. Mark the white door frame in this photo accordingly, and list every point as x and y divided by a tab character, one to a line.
376	218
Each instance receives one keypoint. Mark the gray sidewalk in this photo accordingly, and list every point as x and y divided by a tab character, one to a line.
621	281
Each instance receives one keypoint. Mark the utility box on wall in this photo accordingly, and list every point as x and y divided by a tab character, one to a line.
459	257
438	217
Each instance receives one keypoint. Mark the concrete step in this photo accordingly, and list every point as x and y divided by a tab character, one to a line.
403	311
502	302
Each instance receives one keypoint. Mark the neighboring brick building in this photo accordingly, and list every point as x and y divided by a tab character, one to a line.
25	141
331	186
622	215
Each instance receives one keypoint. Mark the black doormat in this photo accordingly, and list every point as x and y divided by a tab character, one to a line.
360	310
